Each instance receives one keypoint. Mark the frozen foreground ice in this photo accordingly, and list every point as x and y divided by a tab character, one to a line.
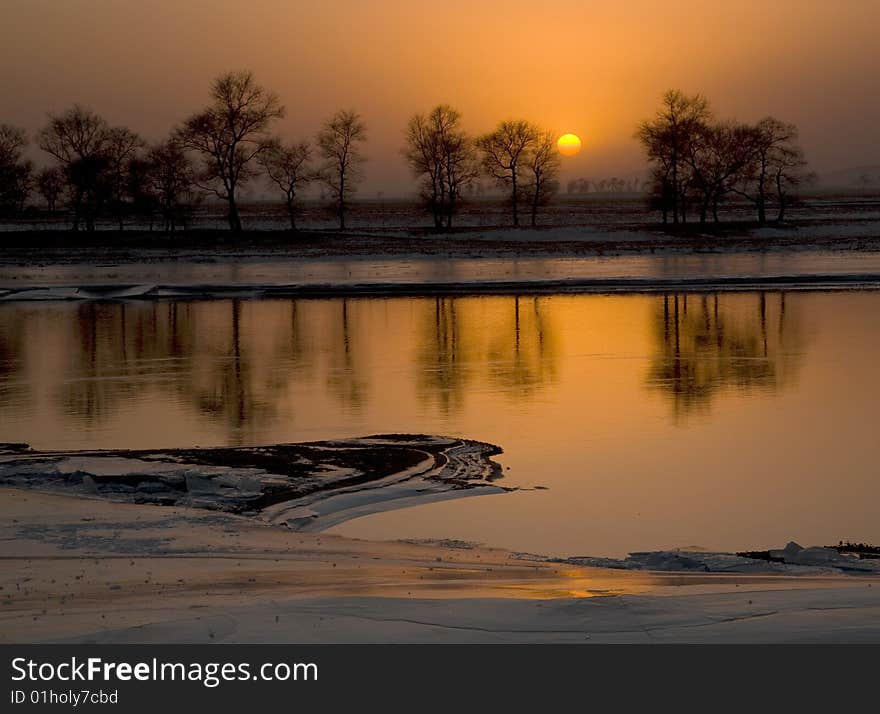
794	559
81	569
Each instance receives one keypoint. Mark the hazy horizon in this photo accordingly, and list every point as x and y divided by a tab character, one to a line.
585	68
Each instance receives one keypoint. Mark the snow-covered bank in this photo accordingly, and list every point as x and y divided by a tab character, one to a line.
78	570
218	275
793	559
533	286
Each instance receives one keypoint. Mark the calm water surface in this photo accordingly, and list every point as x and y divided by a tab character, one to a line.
725	421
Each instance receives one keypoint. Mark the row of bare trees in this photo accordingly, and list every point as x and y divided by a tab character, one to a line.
17	179
518	155
231	136
698	162
99	169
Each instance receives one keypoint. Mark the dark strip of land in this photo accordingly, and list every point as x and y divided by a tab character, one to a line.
63	246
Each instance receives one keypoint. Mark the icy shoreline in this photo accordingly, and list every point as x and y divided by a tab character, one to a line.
466	288
313	486
87	570
793	559
307	486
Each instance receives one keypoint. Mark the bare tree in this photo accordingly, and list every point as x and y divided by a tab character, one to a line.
16	172
13	142
171	177
139	188
287	166
504	152
442	156
424	156
771	143
666	140
50	184
542	162
77	139
717	154
121	147
230	134
790	172
339	143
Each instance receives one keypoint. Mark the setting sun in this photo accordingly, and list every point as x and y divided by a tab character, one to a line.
569	144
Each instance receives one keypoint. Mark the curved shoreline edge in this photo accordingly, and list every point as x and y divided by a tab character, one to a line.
615	285
305	486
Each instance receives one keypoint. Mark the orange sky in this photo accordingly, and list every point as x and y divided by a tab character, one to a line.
593	68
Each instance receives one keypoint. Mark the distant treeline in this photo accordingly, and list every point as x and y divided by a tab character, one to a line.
698	163
606	185
99	171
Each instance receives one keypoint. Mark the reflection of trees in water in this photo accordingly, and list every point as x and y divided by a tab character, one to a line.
344	379
220	357
116	351
521	353
705	344
443	361
13	389
511	347
241	364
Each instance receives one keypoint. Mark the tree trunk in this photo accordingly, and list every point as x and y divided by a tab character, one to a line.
291	212
234	218
442	206
514	197
761	197
781	195
674	188
341	206
77	209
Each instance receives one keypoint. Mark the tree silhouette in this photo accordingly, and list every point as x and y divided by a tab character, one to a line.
504	153
442	156
716	155
287	166
50	184
16	173
77	139
339	143
170	177
667	139
695	159
789	173
230	134
542	162
122	147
